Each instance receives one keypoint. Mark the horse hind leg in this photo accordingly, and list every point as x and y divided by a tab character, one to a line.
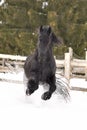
32	85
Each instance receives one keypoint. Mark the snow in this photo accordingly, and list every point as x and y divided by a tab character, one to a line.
78	82
12	76
19	112
1	2
45	4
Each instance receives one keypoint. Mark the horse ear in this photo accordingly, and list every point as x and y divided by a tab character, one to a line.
49	30
41	28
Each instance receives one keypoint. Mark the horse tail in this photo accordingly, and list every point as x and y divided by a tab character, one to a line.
62	88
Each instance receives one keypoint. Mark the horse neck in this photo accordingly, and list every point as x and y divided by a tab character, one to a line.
47	56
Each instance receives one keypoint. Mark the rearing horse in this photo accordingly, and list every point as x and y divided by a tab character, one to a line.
41	67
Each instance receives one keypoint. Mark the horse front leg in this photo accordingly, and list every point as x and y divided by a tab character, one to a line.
51	81
32	85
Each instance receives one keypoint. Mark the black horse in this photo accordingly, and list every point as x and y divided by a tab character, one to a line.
41	67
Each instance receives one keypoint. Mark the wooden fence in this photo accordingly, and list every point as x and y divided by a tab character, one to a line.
11	62
69	67
73	67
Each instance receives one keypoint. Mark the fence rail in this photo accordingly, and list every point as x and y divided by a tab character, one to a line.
12	57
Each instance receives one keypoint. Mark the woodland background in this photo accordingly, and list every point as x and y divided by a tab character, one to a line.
20	20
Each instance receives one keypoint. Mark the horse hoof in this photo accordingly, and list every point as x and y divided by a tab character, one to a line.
46	96
27	92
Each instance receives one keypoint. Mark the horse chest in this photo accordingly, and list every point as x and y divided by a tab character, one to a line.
45	69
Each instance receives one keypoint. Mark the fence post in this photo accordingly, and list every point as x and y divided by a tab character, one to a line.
68	67
71	52
3	62
86	66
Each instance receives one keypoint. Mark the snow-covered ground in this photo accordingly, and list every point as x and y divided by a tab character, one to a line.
18	112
